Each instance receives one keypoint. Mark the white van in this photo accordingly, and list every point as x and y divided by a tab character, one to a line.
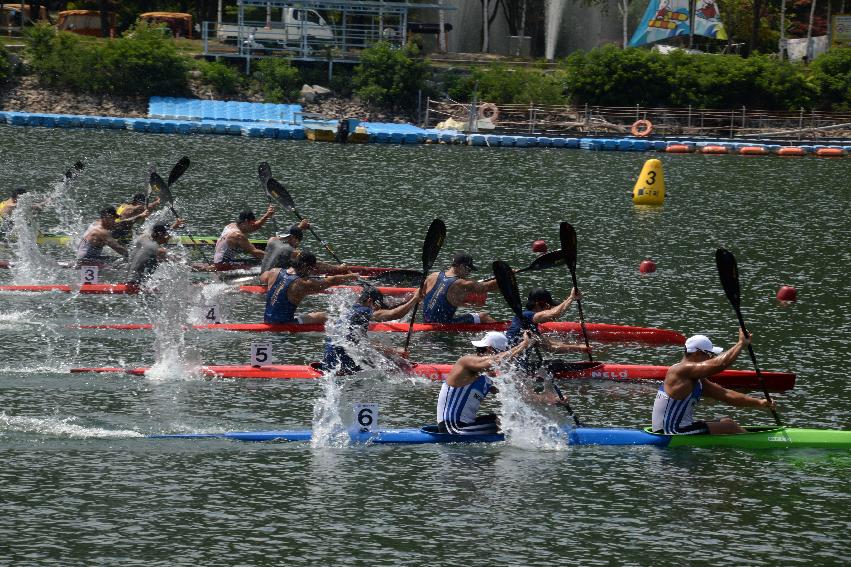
295	24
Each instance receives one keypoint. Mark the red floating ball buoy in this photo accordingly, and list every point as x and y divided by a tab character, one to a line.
647	266
539	247
787	293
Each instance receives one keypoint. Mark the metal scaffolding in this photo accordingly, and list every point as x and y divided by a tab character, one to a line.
333	31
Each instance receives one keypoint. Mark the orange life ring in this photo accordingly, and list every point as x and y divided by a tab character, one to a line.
489	111
642	128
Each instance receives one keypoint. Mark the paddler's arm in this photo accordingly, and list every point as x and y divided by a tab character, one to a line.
733	398
321	284
130	220
468	368
267	277
113	243
266	216
399	311
555	346
554	313
697	370
326	268
239	240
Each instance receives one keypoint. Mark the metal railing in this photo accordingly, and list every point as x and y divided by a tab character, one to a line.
589	120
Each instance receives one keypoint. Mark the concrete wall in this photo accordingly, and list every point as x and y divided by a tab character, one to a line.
582	27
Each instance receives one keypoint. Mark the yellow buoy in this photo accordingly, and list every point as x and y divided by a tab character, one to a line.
650	187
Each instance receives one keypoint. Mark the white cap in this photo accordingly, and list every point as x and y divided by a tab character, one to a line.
701	343
493	339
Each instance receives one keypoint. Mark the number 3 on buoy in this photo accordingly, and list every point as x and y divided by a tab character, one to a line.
366	417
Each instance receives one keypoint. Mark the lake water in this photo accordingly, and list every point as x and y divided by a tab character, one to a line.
79	483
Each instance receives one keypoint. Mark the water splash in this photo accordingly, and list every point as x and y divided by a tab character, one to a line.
31	266
555	10
524	424
60	427
169	309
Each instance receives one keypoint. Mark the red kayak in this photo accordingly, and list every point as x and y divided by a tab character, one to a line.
740	379
130	289
596	331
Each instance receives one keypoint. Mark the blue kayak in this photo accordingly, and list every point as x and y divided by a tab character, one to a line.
754	438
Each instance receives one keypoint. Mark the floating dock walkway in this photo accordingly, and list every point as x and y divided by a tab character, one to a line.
288	122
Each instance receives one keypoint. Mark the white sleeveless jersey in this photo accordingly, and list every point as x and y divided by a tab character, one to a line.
225	254
458	406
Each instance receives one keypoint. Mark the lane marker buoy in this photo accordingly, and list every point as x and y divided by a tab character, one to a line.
647	266
650	187
787	293
539	246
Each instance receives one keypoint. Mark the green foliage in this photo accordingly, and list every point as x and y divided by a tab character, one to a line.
224	79
390	77
143	63
5	65
832	76
279	81
610	76
505	85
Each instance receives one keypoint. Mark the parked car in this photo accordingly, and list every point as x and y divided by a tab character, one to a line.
294	25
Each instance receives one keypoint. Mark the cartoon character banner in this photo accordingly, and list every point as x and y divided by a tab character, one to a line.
669	18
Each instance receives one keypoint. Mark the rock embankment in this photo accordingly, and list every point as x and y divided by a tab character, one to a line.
25	94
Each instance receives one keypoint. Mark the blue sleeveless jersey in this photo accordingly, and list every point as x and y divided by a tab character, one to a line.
436	308
515	329
279	309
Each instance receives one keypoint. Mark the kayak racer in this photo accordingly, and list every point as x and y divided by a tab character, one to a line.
128	214
99	234
371	306
688	380
446	291
234	237
286	289
147	253
282	248
469	382
540	308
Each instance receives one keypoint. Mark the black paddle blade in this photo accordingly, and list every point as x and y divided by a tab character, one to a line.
74	170
264	172
433	243
507	284
567	235
548	260
179	169
729	273
398	278
159	188
566	369
279	193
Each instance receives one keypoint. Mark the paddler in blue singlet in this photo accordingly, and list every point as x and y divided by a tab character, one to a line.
98	235
233	239
447	290
469	382
285	290
371	306
688	380
540	308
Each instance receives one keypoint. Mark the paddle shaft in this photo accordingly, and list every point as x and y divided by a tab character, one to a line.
316	236
581	314
759	377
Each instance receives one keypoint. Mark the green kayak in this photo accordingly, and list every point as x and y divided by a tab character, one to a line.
767	438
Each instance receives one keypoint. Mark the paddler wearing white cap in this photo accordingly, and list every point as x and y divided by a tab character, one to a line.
469	382
688	380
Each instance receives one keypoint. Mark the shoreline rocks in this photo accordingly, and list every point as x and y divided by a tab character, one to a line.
25	94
